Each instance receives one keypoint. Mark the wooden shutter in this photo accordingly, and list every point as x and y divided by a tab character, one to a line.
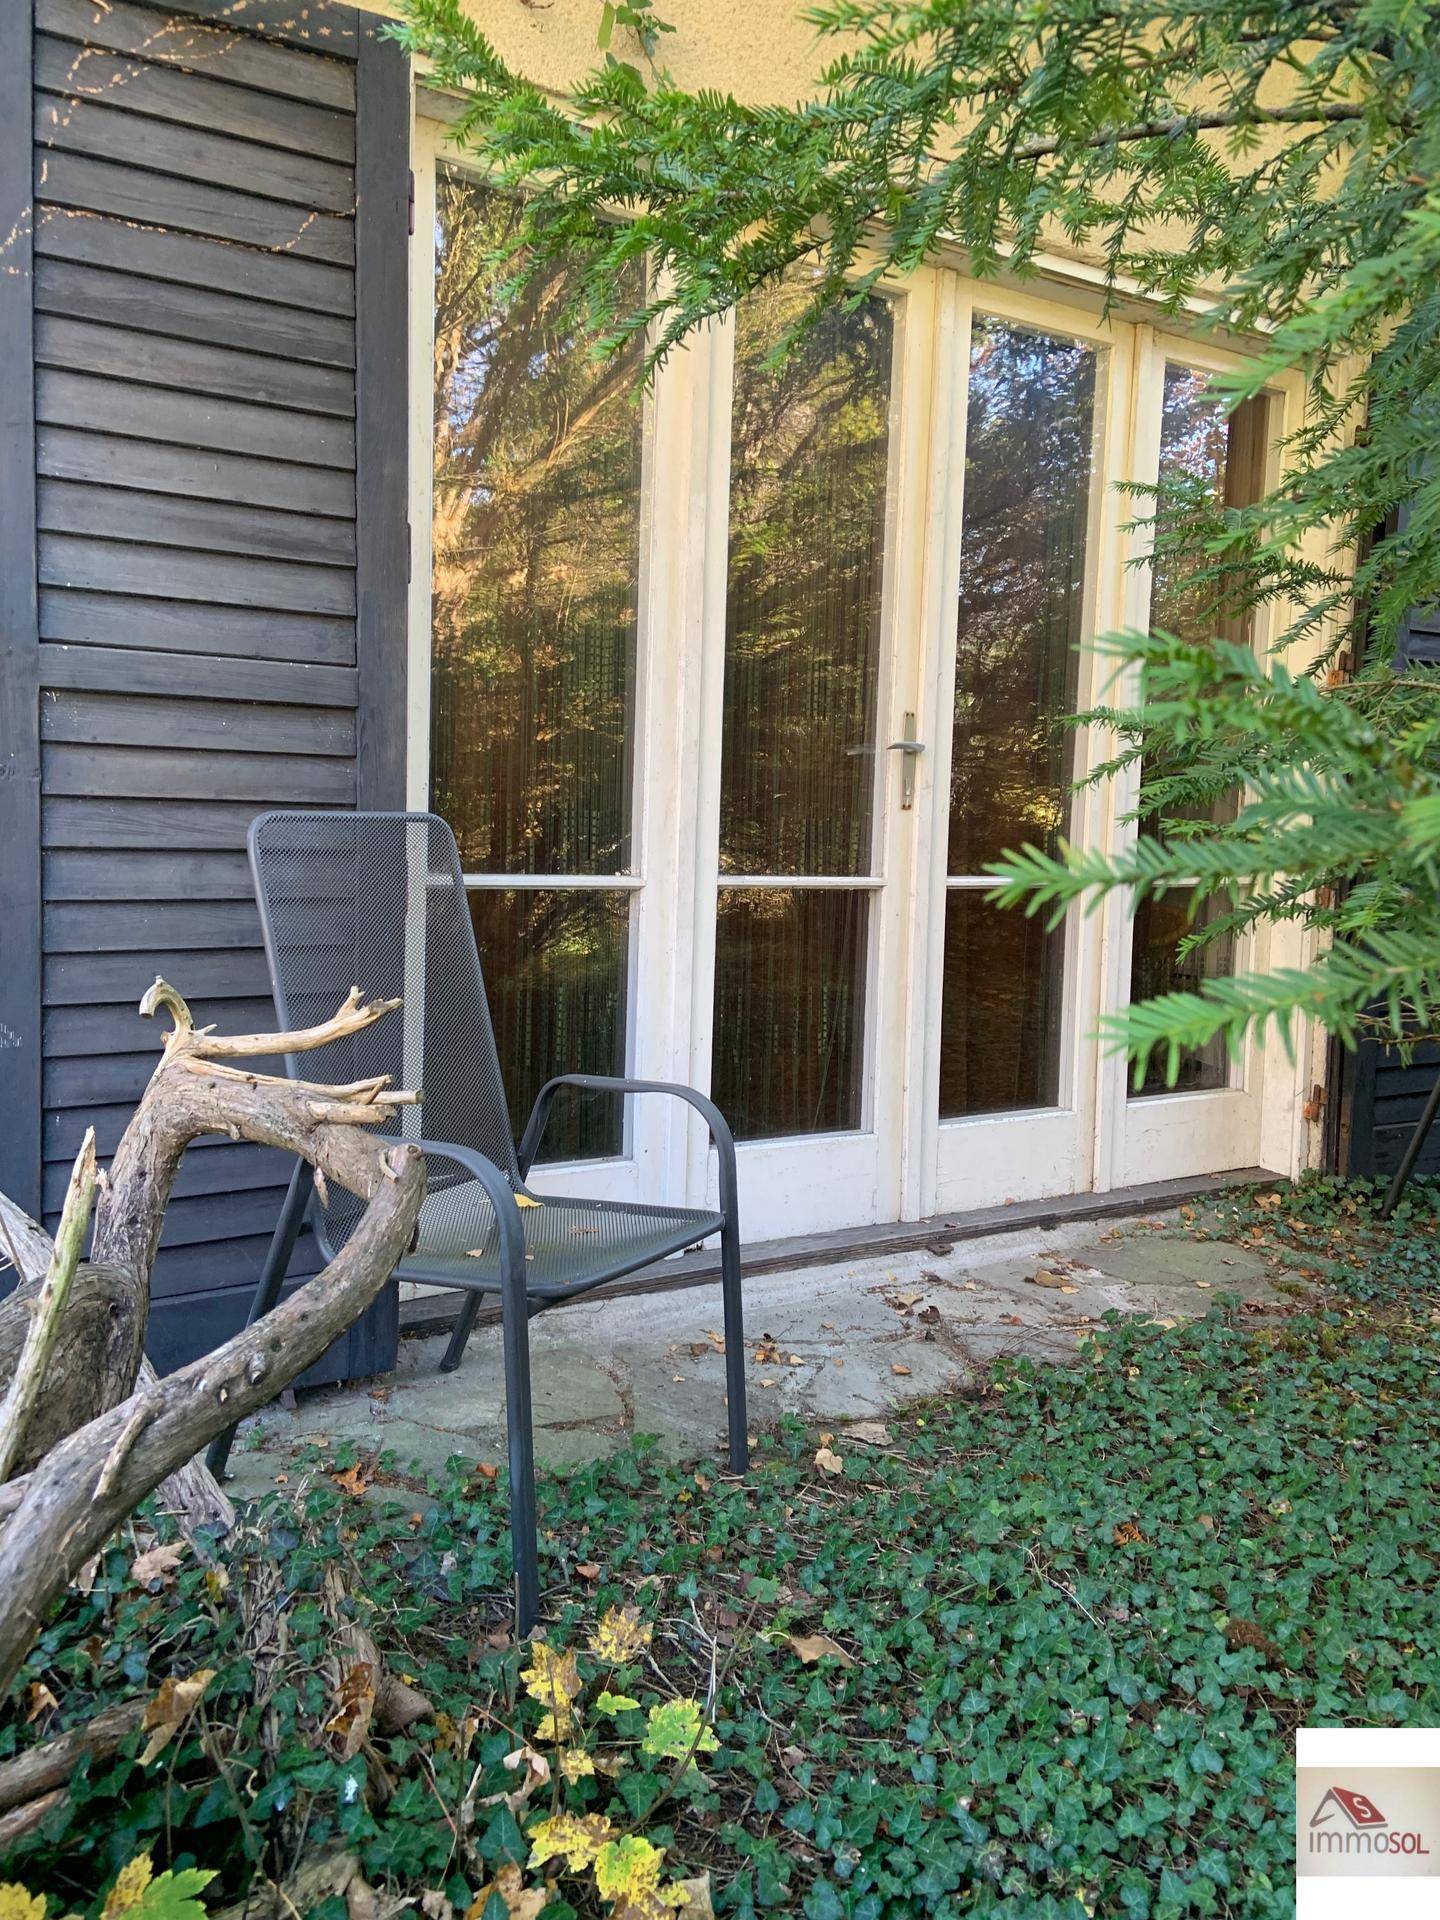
219	264
1380	1097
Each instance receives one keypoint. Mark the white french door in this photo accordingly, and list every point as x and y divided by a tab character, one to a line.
732	688
1213	1117
1025	564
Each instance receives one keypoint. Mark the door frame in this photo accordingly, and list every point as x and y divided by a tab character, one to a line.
1167	1136
892	1166
1030	1153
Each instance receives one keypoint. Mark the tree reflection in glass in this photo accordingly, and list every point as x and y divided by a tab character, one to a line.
808	491
1027	504
536	536
1210	456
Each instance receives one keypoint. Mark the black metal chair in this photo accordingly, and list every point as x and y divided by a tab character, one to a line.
377	900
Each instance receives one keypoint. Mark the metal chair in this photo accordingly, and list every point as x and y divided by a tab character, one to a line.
377	900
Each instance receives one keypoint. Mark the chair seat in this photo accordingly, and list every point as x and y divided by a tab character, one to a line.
570	1245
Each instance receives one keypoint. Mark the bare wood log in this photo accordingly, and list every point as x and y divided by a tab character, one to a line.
24	1245
22	1820
47	1310
38	1769
60	1521
100	1362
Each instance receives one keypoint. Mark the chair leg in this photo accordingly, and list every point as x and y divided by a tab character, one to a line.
734	1341
465	1320
521	1443
272	1278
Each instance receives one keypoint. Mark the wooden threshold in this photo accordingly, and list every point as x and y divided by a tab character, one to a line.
435	1312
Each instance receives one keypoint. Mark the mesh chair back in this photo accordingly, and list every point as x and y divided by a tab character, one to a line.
376	900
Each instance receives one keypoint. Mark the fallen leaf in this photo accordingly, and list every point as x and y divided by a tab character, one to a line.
897	1367
905	1300
354	1699
433	1903
171	1707
527	1200
588	1569
485	1471
158	1563
819	1646
1127	1534
352	1481
38	1700
1206	1284
521	1902
829	1461
697	1904
1047	1277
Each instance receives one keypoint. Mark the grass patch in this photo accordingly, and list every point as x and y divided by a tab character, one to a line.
1042	1655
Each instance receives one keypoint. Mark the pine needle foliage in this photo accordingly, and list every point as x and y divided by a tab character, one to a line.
1271	167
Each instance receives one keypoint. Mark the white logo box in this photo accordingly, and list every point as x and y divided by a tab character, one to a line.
1367	1822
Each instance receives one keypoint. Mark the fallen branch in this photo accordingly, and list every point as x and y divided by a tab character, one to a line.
48	1308
38	1769
61	1521
114	1431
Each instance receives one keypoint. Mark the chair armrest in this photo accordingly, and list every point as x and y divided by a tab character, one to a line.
608	1083
501	1196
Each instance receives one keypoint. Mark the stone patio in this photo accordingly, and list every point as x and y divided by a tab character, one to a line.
830	1344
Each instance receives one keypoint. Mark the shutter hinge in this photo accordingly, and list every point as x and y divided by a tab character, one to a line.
410	206
1315	1105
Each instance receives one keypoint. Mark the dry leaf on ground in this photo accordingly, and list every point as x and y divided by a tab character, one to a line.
829	1461
170	1709
158	1563
819	1646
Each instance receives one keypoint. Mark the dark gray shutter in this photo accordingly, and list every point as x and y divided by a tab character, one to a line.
1381	1097
219	399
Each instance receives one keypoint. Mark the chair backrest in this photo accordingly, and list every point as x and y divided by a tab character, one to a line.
377	900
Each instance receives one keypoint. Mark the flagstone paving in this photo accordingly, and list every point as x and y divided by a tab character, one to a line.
852	1341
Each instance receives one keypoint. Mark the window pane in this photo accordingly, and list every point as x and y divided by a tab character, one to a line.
802	631
1028	460
1223	458
536	550
1028	456
1000	1012
555	967
1160	925
789	1010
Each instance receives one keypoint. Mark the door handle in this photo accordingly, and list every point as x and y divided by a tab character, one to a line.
912	749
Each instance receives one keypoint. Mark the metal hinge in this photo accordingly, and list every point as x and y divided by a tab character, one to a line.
1315	1105
410	207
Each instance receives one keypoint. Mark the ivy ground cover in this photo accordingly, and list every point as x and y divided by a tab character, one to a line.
1041	1651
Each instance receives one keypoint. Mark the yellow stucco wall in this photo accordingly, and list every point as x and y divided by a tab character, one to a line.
759	50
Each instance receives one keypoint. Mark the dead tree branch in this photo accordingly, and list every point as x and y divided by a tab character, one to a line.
115	1446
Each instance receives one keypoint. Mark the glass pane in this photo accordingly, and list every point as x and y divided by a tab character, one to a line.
789	1010
1028	461
1224	458
1155	968
1001	1010
536	551
555	968
802	630
1028	458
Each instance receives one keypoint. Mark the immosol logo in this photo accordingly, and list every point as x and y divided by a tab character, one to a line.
1349	1822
